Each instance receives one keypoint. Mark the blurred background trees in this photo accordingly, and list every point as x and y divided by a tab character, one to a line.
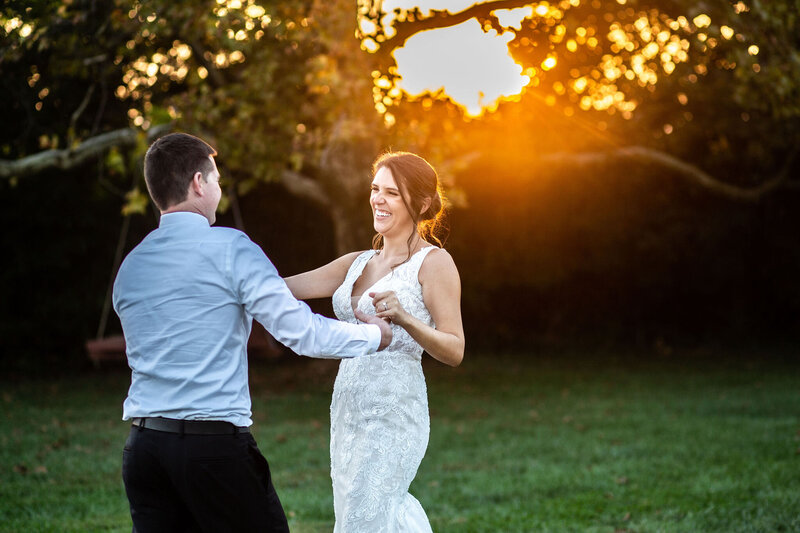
638	187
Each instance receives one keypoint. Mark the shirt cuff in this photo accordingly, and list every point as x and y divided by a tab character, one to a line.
374	340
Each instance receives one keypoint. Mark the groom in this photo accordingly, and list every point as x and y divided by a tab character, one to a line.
186	297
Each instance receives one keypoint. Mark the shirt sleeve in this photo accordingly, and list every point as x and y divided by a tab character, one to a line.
265	296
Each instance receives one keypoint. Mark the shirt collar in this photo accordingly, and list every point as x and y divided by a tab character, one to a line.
182	218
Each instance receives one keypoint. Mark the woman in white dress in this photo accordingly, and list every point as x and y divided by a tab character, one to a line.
379	411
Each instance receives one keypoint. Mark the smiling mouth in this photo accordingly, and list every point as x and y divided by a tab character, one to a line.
381	214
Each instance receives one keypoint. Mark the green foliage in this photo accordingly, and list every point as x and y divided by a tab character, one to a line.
235	76
136	202
114	162
742	119
286	86
720	91
775	85
595	442
57	55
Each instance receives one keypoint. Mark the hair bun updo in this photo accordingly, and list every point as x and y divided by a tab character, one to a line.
435	208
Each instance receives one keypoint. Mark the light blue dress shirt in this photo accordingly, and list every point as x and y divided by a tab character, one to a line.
186	297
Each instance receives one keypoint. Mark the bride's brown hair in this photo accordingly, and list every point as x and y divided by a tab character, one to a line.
417	181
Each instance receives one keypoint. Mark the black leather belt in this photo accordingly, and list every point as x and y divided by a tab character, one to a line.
189	427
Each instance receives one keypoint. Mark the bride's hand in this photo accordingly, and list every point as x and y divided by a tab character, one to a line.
388	307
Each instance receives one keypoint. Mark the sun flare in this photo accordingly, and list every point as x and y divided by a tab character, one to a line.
564	56
472	67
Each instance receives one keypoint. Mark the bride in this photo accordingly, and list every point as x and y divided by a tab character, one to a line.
379	411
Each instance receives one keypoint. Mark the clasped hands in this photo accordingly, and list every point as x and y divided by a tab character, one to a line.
387	309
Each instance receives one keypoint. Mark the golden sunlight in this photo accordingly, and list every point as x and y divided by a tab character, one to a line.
470	63
471	66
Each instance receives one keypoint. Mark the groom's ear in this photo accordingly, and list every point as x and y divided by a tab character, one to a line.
197	184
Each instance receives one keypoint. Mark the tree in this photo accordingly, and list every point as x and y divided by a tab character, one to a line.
687	79
136	71
287	94
264	84
283	91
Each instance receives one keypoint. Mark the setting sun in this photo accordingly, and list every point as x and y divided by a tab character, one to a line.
472	67
478	57
465	62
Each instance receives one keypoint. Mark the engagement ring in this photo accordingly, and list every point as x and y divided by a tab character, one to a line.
385	306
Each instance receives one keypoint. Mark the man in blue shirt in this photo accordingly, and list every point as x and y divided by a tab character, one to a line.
186	297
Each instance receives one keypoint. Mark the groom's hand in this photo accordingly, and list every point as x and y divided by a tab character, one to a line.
386	329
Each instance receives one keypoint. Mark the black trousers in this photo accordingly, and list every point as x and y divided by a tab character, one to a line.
213	483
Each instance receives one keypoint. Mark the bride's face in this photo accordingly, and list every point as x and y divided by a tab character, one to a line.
389	213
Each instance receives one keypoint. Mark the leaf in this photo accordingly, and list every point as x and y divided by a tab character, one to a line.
296	160
136	202
114	161
159	115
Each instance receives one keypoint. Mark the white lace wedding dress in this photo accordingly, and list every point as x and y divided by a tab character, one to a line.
379	414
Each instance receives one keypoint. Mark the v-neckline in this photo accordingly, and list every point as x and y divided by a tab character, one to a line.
364	266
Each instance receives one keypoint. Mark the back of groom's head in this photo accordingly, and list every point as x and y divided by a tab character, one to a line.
170	164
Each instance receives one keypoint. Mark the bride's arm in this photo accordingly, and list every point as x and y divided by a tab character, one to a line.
323	281
441	292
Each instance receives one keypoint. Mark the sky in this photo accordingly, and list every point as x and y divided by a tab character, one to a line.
474	68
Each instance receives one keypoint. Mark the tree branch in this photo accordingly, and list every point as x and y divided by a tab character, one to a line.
305	187
681	168
78	112
69	158
441	19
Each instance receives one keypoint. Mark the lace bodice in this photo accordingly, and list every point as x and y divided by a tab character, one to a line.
379	414
404	281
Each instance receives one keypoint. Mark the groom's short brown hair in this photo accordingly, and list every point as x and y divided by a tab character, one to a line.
171	162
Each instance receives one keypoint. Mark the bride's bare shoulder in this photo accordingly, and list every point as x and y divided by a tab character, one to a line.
437	264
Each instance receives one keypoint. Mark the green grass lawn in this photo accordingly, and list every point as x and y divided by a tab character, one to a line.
524	442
